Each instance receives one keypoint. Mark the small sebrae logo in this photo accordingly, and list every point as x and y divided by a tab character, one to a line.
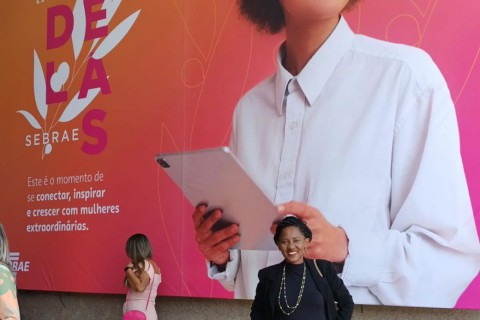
17	264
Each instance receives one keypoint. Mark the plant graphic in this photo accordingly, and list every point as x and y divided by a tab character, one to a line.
63	78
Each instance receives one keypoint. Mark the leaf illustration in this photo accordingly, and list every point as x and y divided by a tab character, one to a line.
31	119
78	33
115	36
48	148
111	7
76	105
39	86
59	77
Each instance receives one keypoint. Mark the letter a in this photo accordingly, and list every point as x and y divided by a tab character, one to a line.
89	82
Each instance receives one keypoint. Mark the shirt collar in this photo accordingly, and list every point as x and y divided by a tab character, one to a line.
316	72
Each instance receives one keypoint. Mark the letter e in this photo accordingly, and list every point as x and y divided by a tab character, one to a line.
92	16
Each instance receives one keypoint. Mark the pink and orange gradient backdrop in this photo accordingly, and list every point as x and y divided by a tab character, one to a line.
170	83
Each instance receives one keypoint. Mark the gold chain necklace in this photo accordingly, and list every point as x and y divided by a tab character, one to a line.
283	287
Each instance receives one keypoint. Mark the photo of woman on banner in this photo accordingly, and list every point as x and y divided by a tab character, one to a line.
358	138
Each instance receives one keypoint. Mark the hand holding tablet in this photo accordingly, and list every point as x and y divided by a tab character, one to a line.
215	177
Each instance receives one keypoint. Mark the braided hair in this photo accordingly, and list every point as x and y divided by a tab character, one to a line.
292	221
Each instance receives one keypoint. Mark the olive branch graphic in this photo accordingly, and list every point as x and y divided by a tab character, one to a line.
63	79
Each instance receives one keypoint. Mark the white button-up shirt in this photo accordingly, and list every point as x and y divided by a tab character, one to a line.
367	134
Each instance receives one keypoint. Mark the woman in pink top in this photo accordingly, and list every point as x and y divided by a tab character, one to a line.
142	277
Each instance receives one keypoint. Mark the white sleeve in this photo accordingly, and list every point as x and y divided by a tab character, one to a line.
227	277
430	252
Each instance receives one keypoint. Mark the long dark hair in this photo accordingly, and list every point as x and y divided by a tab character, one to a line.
138	249
4	250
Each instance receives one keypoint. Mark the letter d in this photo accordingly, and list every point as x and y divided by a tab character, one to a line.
52	13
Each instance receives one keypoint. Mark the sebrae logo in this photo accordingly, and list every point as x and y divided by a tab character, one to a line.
63	91
17	264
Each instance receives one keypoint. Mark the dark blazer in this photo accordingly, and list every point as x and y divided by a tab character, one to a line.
330	285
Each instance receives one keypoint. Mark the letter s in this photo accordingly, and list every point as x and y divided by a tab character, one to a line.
94	132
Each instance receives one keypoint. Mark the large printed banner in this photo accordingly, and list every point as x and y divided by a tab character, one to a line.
91	91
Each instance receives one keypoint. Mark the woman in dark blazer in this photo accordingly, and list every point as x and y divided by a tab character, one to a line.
299	288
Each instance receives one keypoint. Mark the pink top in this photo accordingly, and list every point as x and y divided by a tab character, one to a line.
138	300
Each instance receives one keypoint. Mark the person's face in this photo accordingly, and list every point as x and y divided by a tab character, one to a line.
292	244
312	9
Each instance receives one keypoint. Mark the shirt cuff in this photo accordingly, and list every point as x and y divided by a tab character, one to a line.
364	263
230	271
